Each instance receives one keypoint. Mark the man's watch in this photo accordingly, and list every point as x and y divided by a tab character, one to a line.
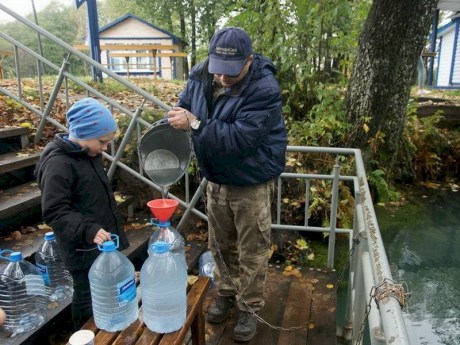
195	124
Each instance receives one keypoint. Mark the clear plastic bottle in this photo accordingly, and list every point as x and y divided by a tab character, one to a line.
167	234
22	294
113	289
163	288
206	265
58	281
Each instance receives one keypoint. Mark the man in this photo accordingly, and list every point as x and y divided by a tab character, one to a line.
232	105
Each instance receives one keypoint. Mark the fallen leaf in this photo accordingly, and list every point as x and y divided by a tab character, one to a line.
329	286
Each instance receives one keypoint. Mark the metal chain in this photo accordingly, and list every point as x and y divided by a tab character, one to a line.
386	288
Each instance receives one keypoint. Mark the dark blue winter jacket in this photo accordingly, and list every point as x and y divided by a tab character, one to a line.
242	138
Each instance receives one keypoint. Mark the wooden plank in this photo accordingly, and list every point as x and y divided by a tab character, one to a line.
276	296
5	52
131	334
148	55
297	313
18	160
129	47
8	132
323	328
18	199
289	303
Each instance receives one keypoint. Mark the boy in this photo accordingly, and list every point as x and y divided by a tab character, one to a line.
77	199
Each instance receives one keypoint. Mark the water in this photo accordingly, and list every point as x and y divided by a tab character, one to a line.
59	284
163	281
164	177
163	167
22	294
422	241
113	290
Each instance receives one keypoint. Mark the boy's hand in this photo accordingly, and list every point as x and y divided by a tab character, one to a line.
101	237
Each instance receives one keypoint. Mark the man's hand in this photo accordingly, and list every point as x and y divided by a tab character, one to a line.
180	118
101	237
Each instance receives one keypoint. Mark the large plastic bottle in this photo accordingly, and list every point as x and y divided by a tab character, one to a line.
59	284
165	233
163	288
113	289
22	294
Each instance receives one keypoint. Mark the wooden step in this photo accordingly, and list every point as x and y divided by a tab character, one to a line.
11	132
19	199
18	160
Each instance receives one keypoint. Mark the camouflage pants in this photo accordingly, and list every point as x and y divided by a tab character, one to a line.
240	222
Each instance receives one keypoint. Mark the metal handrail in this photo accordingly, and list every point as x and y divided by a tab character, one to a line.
369	265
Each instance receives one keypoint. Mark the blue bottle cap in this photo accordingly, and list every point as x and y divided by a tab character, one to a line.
108	246
15	256
49	236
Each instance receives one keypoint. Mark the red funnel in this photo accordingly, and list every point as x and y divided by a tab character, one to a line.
162	209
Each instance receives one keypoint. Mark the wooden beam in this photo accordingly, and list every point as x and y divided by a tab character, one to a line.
129	47
6	52
148	54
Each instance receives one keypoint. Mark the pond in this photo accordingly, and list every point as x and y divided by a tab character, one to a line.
422	241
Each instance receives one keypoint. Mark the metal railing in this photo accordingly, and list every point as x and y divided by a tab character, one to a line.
370	276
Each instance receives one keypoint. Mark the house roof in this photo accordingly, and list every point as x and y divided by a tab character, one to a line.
132	16
449	5
448	27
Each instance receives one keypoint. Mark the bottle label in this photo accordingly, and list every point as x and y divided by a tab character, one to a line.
126	291
44	272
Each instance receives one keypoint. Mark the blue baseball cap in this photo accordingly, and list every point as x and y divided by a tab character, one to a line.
228	51
89	119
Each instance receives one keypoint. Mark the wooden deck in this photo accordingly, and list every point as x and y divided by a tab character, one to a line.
291	301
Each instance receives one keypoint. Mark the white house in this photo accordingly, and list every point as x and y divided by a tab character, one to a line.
133	46
448	71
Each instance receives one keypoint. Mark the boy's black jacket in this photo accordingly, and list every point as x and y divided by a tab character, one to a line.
77	200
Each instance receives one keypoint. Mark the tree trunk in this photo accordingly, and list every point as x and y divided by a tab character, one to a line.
393	36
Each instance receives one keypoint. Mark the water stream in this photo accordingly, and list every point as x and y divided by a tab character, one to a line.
422	241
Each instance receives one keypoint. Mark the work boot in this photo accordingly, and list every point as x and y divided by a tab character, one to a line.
220	310
245	328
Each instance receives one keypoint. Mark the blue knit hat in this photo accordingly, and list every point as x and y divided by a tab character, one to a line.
88	119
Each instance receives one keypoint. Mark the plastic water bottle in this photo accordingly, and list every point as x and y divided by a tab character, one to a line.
113	289
22	294
165	233
206	265
163	288
59	284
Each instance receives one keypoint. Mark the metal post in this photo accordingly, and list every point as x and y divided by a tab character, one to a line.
124	142
191	205
18	76
333	216
434	33
53	97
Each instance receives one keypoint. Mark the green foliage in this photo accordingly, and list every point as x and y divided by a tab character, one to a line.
325	125
430	153
382	191
310	43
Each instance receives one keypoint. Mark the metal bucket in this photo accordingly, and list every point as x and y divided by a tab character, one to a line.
165	153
